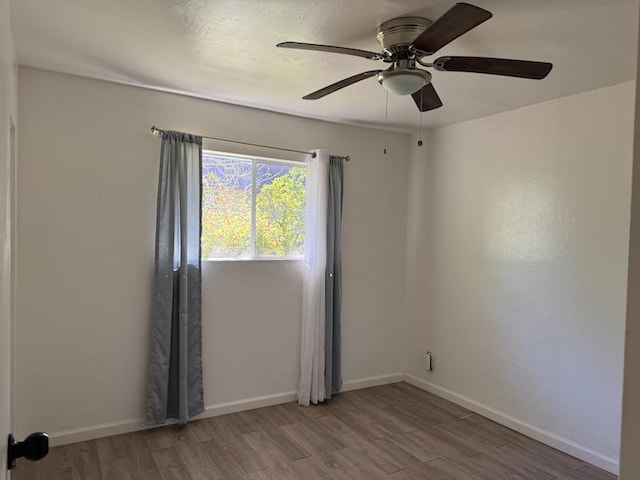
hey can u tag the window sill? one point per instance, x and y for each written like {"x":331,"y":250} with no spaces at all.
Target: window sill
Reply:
{"x":247,"y":260}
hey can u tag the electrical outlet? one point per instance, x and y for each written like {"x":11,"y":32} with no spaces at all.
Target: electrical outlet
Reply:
{"x":428,"y":361}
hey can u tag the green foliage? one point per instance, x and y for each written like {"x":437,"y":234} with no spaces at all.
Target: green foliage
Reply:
{"x":280,"y":209}
{"x":280,"y":212}
{"x":226,"y":219}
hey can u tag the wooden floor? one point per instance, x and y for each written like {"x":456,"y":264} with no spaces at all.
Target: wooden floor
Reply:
{"x":394,"y":432}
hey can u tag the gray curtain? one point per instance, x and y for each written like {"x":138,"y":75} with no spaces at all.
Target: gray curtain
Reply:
{"x":333,"y":295}
{"x":175,"y":372}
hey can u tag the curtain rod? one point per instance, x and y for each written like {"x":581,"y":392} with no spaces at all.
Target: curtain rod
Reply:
{"x":157,"y":131}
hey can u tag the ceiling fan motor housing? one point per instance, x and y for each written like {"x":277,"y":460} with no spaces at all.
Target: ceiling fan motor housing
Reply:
{"x":397,"y":34}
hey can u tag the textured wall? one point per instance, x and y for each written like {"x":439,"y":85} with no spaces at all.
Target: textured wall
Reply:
{"x":87,"y":187}
{"x":517,"y":261}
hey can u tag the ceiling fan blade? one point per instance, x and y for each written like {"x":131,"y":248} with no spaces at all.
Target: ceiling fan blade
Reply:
{"x":457,"y":21}
{"x":331,"y":49}
{"x":341,"y":84}
{"x":495,"y":66}
{"x":427,"y":98}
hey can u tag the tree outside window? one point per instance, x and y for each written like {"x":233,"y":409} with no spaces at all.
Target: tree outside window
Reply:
{"x":252,"y":208}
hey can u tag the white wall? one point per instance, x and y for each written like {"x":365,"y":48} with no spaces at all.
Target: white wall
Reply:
{"x":8,"y":110}
{"x":516,"y":267}
{"x":629,"y":458}
{"x":87,"y":187}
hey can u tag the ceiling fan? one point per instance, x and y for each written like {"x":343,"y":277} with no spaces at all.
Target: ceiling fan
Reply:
{"x":406,"y":41}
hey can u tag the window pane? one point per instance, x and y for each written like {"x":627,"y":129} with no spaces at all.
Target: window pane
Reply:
{"x":226,"y":207}
{"x":280,"y":209}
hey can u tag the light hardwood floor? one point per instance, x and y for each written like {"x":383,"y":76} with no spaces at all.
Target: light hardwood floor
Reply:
{"x":394,"y":432}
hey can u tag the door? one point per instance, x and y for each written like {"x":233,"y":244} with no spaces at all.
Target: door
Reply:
{"x":7,"y":154}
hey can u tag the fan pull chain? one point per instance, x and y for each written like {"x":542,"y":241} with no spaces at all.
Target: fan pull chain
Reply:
{"x":420,"y":121}
{"x":386,"y":120}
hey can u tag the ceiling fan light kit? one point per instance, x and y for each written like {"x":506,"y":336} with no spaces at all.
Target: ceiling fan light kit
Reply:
{"x":405,"y":41}
{"x":404,"y":79}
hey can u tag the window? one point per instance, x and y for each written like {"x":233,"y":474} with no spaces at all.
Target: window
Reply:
{"x":252,"y":208}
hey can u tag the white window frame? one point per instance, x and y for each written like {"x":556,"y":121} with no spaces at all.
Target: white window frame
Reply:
{"x":252,"y":249}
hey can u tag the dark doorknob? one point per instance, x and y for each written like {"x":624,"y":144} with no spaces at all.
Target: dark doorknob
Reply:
{"x":34,"y":447}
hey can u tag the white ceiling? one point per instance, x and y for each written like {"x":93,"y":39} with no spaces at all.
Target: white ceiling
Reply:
{"x":225,"y":50}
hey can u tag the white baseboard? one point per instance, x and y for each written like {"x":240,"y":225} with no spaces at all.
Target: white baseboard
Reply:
{"x":83,"y":434}
{"x":125,"y":426}
{"x":372,"y":382}
{"x":556,"y":441}
{"x":551,"y":439}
